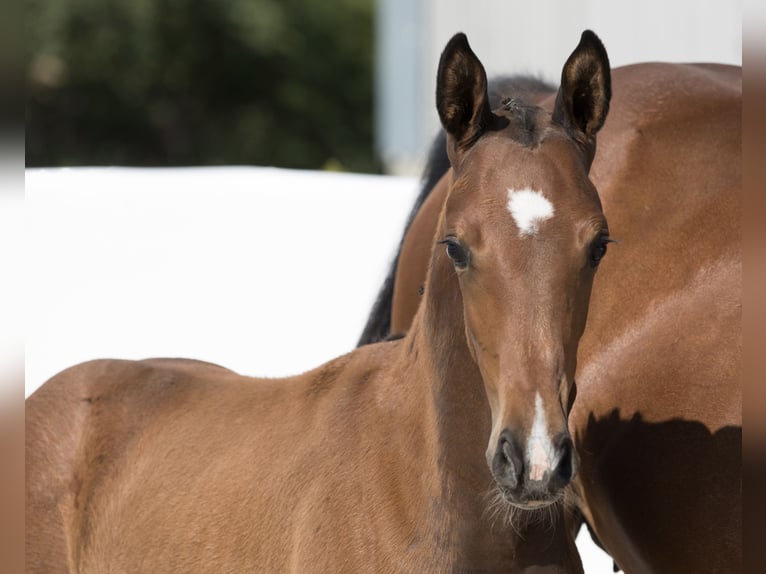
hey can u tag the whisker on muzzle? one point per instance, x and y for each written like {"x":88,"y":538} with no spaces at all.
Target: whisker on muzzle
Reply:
{"x":499,"y":509}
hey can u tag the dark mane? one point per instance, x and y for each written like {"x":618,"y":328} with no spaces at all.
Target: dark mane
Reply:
{"x":524,"y":122}
{"x":517,"y":92}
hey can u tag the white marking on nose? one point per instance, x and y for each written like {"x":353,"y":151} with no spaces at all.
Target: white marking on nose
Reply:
{"x":539,"y":447}
{"x":528,"y":208}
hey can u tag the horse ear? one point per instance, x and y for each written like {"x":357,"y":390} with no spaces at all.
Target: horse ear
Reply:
{"x":586,"y":88}
{"x":461,"y":96}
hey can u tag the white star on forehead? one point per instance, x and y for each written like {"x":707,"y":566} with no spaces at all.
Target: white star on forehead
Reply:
{"x":528,"y":208}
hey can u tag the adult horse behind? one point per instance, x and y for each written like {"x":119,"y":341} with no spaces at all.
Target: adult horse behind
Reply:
{"x":384,"y":459}
{"x":657,"y":420}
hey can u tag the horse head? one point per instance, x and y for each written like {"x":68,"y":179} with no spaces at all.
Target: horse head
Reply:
{"x":524,"y":231}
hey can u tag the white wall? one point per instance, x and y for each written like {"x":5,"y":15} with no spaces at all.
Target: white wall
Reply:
{"x":512,"y":37}
{"x":269,"y":272}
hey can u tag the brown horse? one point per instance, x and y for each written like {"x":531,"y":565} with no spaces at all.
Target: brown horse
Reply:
{"x":391,"y":458}
{"x":657,"y":420}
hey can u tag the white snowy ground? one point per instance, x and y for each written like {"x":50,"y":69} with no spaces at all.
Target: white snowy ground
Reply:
{"x":268,"y":272}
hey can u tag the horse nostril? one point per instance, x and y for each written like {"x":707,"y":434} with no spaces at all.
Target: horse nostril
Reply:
{"x":507,"y":464}
{"x":506,"y":448}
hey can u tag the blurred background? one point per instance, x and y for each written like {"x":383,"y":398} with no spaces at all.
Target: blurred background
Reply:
{"x":343,"y":85}
{"x":201,"y":82}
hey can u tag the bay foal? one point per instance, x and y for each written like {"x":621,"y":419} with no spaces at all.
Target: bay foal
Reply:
{"x":380,"y":460}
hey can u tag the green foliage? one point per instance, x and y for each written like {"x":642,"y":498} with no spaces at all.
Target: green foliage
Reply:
{"x":200,"y":82}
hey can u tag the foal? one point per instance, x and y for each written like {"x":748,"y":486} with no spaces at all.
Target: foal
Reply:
{"x":380,"y":460}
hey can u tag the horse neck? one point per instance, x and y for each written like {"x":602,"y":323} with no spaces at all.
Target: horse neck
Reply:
{"x":454,"y":390}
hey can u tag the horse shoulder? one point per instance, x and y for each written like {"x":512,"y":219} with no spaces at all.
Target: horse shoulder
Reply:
{"x":658,"y":410}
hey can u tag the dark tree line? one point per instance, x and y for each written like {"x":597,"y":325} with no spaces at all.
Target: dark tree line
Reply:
{"x":200,"y":82}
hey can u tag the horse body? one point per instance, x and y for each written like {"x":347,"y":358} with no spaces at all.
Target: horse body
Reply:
{"x":198,"y":469}
{"x":381,"y":460}
{"x":657,"y":420}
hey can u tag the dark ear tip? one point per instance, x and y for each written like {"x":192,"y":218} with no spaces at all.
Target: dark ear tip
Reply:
{"x":589,"y":36}
{"x":456,"y":48}
{"x":459,"y":37}
{"x":588,"y":39}
{"x":459,"y":40}
{"x":583,"y":99}
{"x":592,"y":45}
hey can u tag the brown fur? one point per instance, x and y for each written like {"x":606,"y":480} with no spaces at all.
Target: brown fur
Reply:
{"x":374,"y":462}
{"x":662,"y":350}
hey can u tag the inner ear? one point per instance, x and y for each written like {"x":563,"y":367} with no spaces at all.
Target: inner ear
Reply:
{"x":461,"y":94}
{"x":583,"y":99}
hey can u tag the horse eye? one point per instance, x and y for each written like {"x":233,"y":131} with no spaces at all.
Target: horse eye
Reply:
{"x":598,"y":250}
{"x":456,"y":252}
